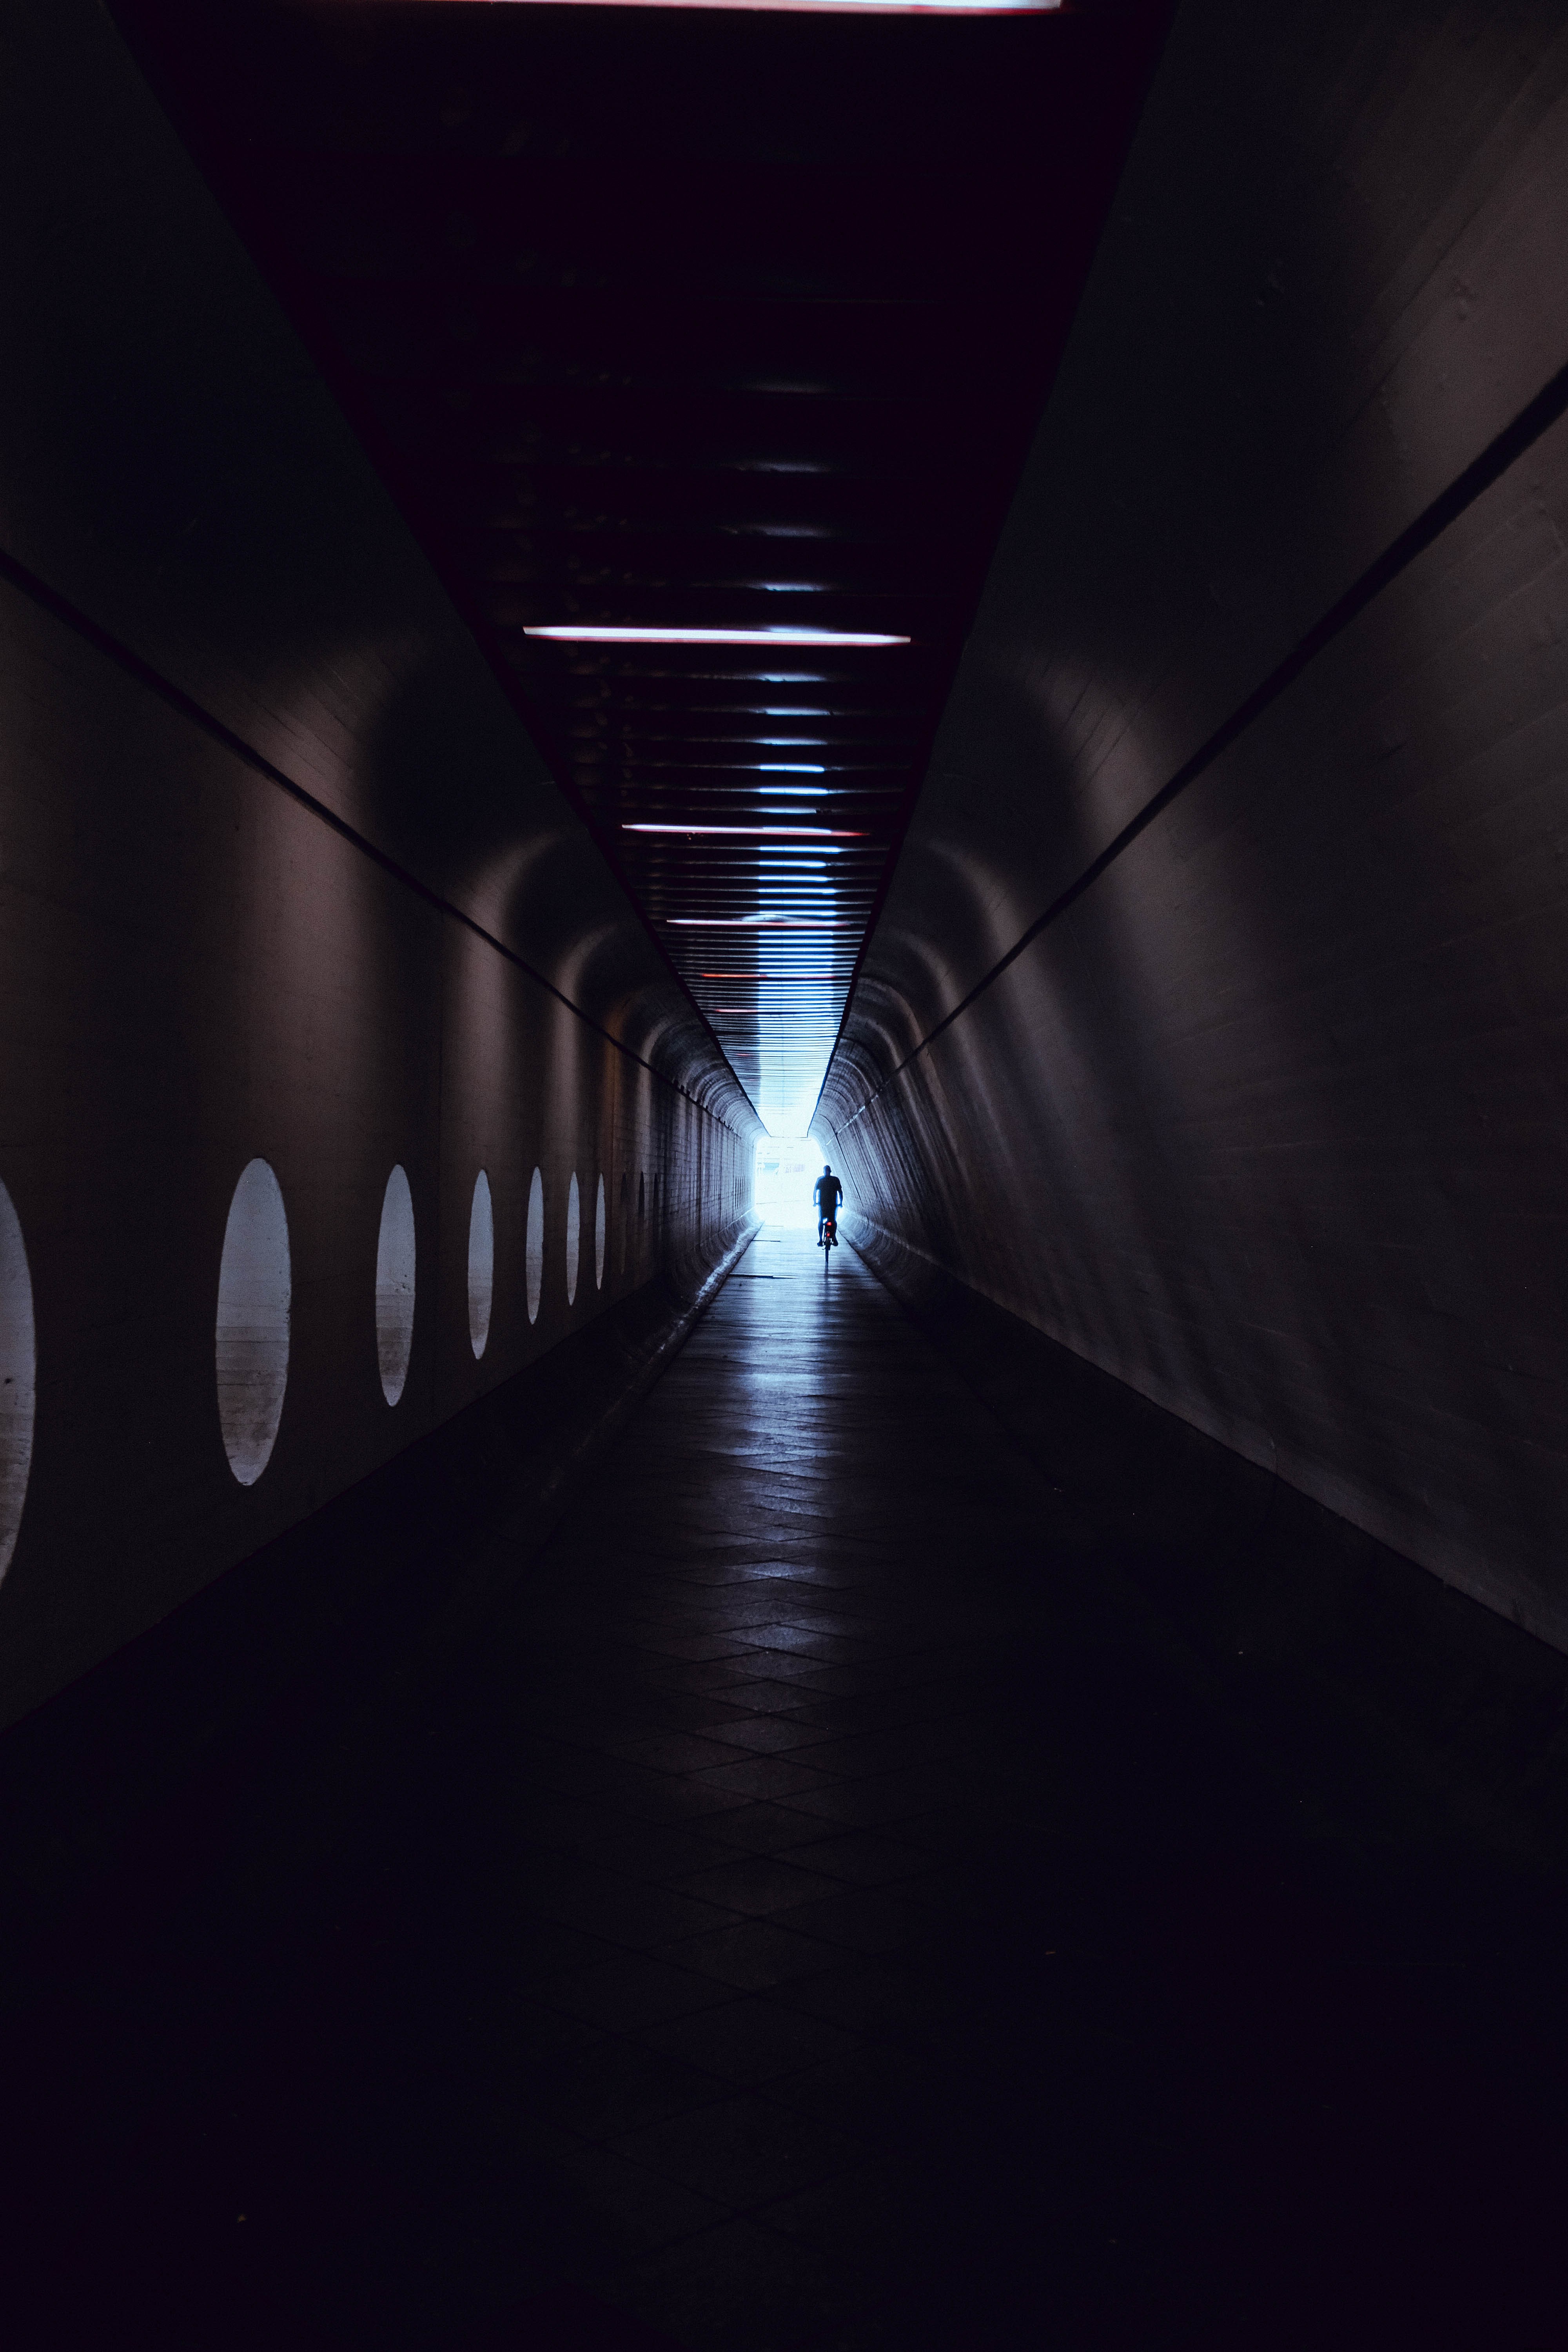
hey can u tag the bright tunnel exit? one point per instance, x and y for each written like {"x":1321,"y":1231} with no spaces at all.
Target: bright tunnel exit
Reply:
{"x":788,"y":1167}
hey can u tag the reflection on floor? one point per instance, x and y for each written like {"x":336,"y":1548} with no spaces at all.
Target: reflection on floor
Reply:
{"x":829,"y":1912}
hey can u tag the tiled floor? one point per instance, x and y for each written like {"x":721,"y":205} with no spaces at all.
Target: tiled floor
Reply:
{"x":828,"y":1913}
{"x":739,"y":1731}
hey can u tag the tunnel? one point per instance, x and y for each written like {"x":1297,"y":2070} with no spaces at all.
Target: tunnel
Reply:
{"x":783,"y":1175}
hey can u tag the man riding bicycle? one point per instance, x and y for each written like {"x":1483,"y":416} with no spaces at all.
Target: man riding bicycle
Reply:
{"x":826,"y":1193}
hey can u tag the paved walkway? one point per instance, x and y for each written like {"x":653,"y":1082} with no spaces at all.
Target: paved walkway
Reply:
{"x":828,"y":1914}
{"x":756,"y":1724}
{"x":839,"y":1917}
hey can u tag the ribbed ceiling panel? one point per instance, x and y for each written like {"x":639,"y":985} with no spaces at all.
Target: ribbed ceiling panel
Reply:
{"x":689,"y":320}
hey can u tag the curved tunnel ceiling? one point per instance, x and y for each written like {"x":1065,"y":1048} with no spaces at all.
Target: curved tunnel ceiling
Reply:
{"x":702,"y":351}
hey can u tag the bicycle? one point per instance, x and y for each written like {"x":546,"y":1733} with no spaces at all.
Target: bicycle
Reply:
{"x":829,"y":1240}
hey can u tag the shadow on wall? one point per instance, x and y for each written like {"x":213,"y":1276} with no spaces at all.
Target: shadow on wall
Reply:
{"x":227,"y":1026}
{"x":316,"y":999}
{"x":1267,"y":1118}
{"x":252,"y":1325}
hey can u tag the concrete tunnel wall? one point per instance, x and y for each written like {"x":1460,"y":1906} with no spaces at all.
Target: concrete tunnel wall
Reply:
{"x":1270,"y":1119}
{"x":281,"y":876}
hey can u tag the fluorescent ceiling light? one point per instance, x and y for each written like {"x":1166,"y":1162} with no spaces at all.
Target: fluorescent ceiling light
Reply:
{"x":841,"y":7}
{"x":596,"y":632}
{"x":754,"y":832}
{"x":754,"y":922}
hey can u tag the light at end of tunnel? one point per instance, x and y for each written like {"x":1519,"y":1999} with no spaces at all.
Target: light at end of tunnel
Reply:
{"x":596,"y":632}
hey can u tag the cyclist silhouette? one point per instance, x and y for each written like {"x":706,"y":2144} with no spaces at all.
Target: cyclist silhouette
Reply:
{"x":826,"y":1193}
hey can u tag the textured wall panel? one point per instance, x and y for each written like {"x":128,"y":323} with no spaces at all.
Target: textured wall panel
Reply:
{"x":207,"y":600}
{"x":1272,"y":1121}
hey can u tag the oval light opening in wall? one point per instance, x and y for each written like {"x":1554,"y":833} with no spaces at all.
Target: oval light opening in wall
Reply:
{"x":394,"y":1252}
{"x":481,"y":1263}
{"x":599,"y":1238}
{"x":19,"y":1364}
{"x":573,"y":1238}
{"x":534,"y":1259}
{"x":254,"y":1286}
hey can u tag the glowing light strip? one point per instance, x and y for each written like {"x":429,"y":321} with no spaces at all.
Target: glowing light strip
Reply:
{"x":754,"y":832}
{"x":756,"y":923}
{"x":836,"y":7}
{"x":666,"y":738}
{"x":594,"y":633}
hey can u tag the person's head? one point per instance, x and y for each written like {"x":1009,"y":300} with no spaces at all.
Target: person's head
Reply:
{"x":826,"y":1169}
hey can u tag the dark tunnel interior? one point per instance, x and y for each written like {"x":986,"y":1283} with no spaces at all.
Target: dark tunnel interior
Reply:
{"x":602,"y":604}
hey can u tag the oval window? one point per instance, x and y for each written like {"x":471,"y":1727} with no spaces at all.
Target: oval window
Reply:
{"x":533,"y":1260}
{"x":481,"y":1263}
{"x":573,"y":1238}
{"x":599,"y":1238}
{"x":254,"y":1286}
{"x":18,"y":1369}
{"x":394,"y":1284}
